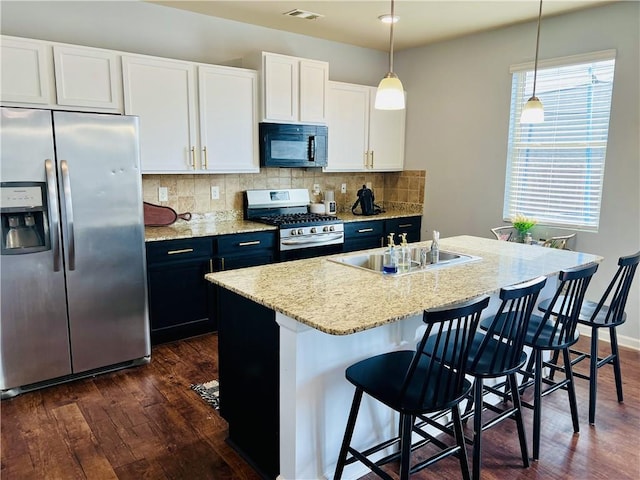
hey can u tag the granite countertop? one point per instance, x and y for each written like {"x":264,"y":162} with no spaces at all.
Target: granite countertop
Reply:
{"x":340,"y":299}
{"x":204,"y":227}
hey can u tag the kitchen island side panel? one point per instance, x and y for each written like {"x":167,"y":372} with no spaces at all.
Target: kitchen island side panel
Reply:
{"x":248,"y":350}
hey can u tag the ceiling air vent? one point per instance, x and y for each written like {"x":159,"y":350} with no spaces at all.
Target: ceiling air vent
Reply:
{"x":303,"y":14}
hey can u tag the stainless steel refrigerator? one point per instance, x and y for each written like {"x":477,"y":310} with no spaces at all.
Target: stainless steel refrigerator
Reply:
{"x":72,"y":263}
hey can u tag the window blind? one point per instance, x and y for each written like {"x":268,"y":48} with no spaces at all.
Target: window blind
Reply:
{"x":555,"y":169}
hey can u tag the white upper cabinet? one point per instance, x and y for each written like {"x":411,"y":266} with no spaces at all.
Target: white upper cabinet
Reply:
{"x":87,"y":77}
{"x":386,"y":137}
{"x":228,"y":119}
{"x":362,"y":138}
{"x":294,"y":90}
{"x":189,"y":124}
{"x":348,"y":125}
{"x":314,"y":81}
{"x":56,"y":75}
{"x":27,"y":72}
{"x":162,"y":93}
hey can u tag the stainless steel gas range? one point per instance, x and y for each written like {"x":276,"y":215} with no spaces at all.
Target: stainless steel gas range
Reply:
{"x":301,"y":234}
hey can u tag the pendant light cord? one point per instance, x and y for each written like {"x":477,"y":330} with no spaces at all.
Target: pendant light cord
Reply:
{"x":391,"y":38}
{"x":535,"y":66}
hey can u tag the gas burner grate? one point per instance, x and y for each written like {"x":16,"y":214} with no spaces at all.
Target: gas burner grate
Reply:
{"x":296,"y":219}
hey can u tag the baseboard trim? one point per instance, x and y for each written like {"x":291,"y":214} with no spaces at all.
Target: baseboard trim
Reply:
{"x":623,"y":340}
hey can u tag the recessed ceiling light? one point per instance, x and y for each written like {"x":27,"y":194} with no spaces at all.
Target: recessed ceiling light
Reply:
{"x":387,"y":18}
{"x":303,"y":14}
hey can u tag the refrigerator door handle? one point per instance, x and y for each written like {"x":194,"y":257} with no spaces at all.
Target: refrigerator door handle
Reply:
{"x":53,"y":213}
{"x":68,"y":208}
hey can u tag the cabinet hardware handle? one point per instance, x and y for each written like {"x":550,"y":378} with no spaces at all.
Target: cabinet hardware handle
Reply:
{"x":365,"y":230}
{"x":382,"y":241}
{"x":184,"y":250}
{"x":371,"y":159}
{"x":405,"y":225}
{"x":246,"y":244}
{"x":366,"y":159}
{"x":211,"y":265}
{"x":222,"y":262}
{"x":206,"y":163}
{"x":193,"y":157}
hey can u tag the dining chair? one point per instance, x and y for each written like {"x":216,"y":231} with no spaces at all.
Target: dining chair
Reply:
{"x":551,"y":333}
{"x":506,"y":232}
{"x":608,"y":313}
{"x":559,"y":241}
{"x":411,"y":382}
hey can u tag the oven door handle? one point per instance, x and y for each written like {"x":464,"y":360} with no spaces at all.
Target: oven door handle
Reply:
{"x":312,"y":239}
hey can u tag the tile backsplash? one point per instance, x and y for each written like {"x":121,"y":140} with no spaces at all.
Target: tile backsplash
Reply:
{"x":192,"y":193}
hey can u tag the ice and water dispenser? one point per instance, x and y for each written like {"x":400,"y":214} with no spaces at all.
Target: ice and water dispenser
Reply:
{"x":23,"y":212}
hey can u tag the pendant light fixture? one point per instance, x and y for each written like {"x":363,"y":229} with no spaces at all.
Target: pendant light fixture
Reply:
{"x":390,"y":93}
{"x":533,"y":112}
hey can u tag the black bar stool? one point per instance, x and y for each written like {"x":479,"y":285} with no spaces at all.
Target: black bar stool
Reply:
{"x":607,"y":313}
{"x":553,"y":333}
{"x":413,"y":383}
{"x":500,"y":353}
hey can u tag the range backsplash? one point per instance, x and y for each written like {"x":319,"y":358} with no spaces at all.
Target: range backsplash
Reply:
{"x":192,"y":193}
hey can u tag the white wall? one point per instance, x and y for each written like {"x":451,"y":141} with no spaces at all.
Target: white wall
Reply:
{"x":458,"y":121}
{"x":458,"y":99}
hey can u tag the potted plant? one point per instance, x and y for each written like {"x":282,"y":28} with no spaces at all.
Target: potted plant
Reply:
{"x":523,"y":225}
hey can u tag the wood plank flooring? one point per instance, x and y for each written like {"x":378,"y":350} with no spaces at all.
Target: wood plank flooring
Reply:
{"x":146,"y":423}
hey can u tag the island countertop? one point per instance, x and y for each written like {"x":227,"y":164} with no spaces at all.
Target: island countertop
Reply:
{"x":340,"y":299}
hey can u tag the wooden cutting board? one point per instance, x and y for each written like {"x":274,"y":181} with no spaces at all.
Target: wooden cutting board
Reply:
{"x":159,"y":216}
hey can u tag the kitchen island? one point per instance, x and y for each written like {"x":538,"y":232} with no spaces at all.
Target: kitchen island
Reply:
{"x":288,"y":331}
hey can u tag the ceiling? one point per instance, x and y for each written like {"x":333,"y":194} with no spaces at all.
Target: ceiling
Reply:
{"x":356,"y":22}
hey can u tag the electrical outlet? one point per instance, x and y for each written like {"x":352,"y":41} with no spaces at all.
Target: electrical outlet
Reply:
{"x":369,"y":185}
{"x":163,"y":194}
{"x":316,"y":188}
{"x":215,"y":193}
{"x":343,"y":188}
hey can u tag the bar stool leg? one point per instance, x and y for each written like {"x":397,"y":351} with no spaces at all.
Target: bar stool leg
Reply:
{"x":477,"y":427}
{"x":517,"y":404}
{"x":537,"y":402}
{"x":405,"y":445}
{"x":351,"y":423}
{"x":616,"y":363}
{"x":457,"y":425}
{"x":593,"y":376}
{"x":571,"y":389}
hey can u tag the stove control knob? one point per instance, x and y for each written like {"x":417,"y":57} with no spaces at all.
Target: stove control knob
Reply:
{"x":313,"y":230}
{"x":300,"y":231}
{"x":332,"y":228}
{"x":325,"y":229}
{"x":294,"y":232}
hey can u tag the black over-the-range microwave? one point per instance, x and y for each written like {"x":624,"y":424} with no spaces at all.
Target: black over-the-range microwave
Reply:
{"x":289,"y":145}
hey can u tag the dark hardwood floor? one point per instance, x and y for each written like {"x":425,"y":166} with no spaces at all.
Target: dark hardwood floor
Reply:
{"x":146,"y":423}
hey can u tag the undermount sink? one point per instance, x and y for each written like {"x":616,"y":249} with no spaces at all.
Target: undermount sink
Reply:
{"x":372,"y":261}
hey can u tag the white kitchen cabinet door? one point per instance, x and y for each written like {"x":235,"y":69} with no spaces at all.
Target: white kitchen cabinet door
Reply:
{"x":314,"y":78}
{"x":294,"y":89}
{"x":162,"y":93}
{"x":88,"y":77}
{"x":348,"y":122}
{"x":228,"y":105}
{"x":27,"y":72}
{"x":280,"y":77}
{"x":386,"y":137}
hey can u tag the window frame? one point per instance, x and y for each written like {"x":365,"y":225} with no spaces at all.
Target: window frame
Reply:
{"x":521,"y":156}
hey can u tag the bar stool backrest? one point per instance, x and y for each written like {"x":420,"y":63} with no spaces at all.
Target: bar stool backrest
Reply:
{"x":618,"y":290}
{"x":501,"y":348}
{"x":446,"y":326}
{"x":566,"y":304}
